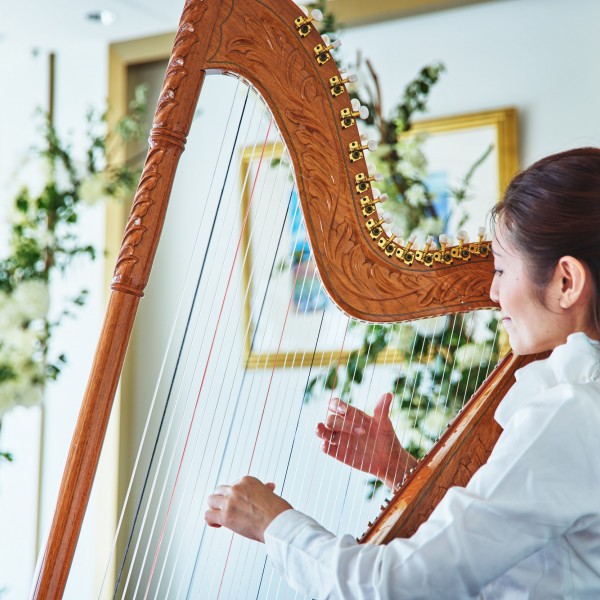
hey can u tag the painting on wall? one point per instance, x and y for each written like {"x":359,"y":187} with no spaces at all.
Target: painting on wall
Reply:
{"x":297,"y":324}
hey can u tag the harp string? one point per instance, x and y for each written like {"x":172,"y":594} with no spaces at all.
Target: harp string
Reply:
{"x":203,"y":335}
{"x":186,"y":363}
{"x":256,"y":368}
{"x":241,"y":386}
{"x":212,"y":344}
{"x":162,"y":370}
{"x":263,"y":408}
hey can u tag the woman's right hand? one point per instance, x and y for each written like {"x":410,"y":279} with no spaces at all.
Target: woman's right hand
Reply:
{"x":366,"y":443}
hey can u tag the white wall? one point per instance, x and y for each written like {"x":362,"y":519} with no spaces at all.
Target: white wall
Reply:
{"x":537,"y":55}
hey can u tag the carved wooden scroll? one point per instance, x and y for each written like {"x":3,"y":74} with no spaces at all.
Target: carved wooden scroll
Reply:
{"x":266,"y":43}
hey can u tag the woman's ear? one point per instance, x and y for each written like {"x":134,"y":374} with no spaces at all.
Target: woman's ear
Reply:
{"x":572,"y":282}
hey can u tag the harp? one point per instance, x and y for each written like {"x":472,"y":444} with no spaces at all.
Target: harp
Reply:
{"x":271,"y":45}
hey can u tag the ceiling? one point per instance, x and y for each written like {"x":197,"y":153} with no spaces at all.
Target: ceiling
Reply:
{"x":52,"y":22}
{"x":47,"y":23}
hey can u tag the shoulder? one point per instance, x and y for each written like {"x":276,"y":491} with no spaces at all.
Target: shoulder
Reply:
{"x":567,"y":380}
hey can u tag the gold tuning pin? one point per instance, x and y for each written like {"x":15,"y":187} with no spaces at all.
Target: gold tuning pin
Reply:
{"x":303,"y":23}
{"x":444,"y":255}
{"x":425,"y":256}
{"x":338,"y":86}
{"x":323,"y":52}
{"x":462,"y":251}
{"x":364,"y":179}
{"x":356,"y":149}
{"x":480,"y":247}
{"x":348,"y":115}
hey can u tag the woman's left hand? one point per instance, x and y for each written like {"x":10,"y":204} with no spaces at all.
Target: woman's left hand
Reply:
{"x":247,"y":507}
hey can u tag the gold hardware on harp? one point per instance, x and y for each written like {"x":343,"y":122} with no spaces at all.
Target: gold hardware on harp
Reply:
{"x":323,"y":53}
{"x":364,"y":179}
{"x":338,"y":85}
{"x":347,"y":118}
{"x":356,"y":149}
{"x":303,"y":23}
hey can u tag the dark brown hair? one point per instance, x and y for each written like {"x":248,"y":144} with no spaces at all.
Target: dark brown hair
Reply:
{"x":551,"y":210}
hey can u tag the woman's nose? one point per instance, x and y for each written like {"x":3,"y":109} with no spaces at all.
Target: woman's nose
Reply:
{"x":494,"y":290}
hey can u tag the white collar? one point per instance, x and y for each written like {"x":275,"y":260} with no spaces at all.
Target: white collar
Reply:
{"x":576,"y":361}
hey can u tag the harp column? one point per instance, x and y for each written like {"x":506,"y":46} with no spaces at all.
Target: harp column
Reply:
{"x":171,"y":126}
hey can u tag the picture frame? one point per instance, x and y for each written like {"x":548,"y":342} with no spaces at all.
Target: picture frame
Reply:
{"x":471,"y":133}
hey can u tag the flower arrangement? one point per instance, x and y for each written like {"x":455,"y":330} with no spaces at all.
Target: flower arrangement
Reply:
{"x":43,"y":240}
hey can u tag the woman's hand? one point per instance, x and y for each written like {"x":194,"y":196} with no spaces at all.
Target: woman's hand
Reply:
{"x":247,"y":507}
{"x":366,"y":443}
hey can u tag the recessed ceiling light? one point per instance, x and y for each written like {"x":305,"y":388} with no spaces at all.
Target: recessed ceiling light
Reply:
{"x":106,"y":17}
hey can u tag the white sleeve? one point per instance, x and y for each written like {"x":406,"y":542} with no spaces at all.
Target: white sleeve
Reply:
{"x":530,"y":491}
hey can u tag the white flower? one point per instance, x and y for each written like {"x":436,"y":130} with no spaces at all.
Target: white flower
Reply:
{"x":93,"y":189}
{"x":434,"y":423}
{"x":11,"y":312}
{"x":431,"y":327}
{"x":33,"y":299}
{"x":411,"y":148}
{"x":472,"y":355}
{"x":408,"y":170}
{"x":416,"y":195}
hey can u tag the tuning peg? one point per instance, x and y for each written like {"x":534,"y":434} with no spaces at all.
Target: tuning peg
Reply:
{"x":384,"y":198}
{"x":398,"y":233}
{"x":358,"y":110}
{"x":429,"y":244}
{"x":350,"y":77}
{"x":462,"y":236}
{"x":356,"y":149}
{"x":303,"y":23}
{"x":329,"y":45}
{"x":316,"y":15}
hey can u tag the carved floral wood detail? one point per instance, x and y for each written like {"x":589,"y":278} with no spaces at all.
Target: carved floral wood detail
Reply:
{"x":357,"y":275}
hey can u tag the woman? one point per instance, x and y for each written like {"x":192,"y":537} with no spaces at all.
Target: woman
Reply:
{"x":528,"y":523}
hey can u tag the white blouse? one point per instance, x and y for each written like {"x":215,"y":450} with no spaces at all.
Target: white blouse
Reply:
{"x":526,"y":526}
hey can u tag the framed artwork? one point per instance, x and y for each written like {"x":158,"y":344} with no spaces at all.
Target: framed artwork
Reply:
{"x":453,"y":145}
{"x":313,"y":326}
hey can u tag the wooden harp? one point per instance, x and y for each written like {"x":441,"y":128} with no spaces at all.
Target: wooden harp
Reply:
{"x":272,"y":45}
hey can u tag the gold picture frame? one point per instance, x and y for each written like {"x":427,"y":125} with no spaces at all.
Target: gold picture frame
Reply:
{"x":498,"y":127}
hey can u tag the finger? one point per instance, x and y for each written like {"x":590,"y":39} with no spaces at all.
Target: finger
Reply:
{"x":221,"y":490}
{"x":271,"y":486}
{"x":329,"y":448}
{"x":338,"y":406}
{"x":346,"y":424}
{"x":215,"y":501}
{"x":212,"y":518}
{"x":382,"y":408}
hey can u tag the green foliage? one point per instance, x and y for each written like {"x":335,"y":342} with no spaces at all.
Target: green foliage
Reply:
{"x":43,"y":240}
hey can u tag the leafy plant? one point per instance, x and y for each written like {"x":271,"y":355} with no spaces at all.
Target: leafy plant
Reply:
{"x":43,"y":241}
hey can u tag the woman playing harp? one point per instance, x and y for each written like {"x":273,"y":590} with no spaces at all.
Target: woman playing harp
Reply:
{"x":528,"y":523}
